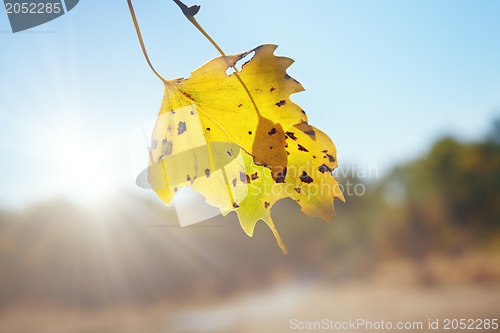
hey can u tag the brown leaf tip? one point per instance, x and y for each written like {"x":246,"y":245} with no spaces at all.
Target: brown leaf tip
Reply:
{"x":280,"y":176}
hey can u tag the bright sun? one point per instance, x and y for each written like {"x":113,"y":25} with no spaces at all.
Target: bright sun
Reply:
{"x":80,"y":171}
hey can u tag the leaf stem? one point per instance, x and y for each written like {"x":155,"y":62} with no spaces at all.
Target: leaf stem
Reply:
{"x":138,"y":32}
{"x":190,"y":12}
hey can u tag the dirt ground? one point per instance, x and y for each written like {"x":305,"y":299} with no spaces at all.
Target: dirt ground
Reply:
{"x":279,"y":309}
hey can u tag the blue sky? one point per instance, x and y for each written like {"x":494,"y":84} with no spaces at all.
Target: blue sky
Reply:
{"x":383,"y":78}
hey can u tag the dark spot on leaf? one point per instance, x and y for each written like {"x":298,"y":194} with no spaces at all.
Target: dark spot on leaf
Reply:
{"x":272,"y":89}
{"x":303,"y":112}
{"x":325,"y":151}
{"x":271,"y":147}
{"x":247,"y":179}
{"x":154,"y":144}
{"x":181,"y":128}
{"x":297,"y":190}
{"x":281,"y":103}
{"x":208,"y":129}
{"x":291,"y":135}
{"x":168,"y":148}
{"x":235,"y":205}
{"x":173,"y":112}
{"x":331,"y":158}
{"x":228,"y":152}
{"x":249,"y":132}
{"x":305,"y":178}
{"x":255,"y":176}
{"x":164,"y":141}
{"x":280,"y":176}
{"x":187,"y":95}
{"x":240,"y":105}
{"x":160,"y":158}
{"x":175,"y":189}
{"x":266,"y":204}
{"x":273,"y":131}
{"x":207,"y":172}
{"x":287,"y":77}
{"x":303,"y":149}
{"x":287,"y":152}
{"x":243,"y":177}
{"x":234,"y":182}
{"x":188,"y":178}
{"x":324,"y":168}
{"x":178,"y":81}
{"x":192,"y":113}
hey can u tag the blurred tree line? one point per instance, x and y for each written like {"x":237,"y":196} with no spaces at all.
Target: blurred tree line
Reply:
{"x":446,"y":202}
{"x":450,"y":198}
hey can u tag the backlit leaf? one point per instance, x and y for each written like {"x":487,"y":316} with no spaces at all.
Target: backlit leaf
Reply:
{"x":239,"y":140}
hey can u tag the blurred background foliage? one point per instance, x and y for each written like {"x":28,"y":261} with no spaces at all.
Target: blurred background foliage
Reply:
{"x":433,"y":221}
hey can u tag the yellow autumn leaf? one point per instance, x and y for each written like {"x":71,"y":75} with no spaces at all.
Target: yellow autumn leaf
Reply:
{"x":181,"y":156}
{"x":212,"y":107}
{"x":309,"y":181}
{"x":238,"y":139}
